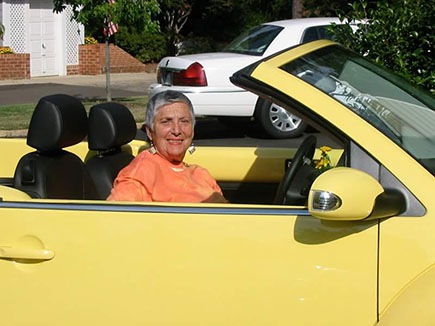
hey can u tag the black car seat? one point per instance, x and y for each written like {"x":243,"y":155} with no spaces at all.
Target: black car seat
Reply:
{"x":58,"y":121}
{"x":111,"y":125}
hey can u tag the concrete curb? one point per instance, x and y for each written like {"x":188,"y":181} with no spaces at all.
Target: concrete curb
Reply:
{"x":22,"y":133}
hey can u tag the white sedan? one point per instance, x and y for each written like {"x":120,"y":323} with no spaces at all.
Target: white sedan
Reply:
{"x":204,"y":77}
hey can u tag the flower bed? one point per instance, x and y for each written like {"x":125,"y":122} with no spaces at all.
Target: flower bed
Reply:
{"x":5,"y":50}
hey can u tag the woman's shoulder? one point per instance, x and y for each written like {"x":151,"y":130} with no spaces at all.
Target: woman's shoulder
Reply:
{"x":142,"y":162}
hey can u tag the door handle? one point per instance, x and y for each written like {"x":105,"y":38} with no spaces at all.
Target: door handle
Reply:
{"x":26,"y":253}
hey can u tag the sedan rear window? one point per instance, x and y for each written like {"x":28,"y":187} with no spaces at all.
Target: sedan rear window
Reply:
{"x":316,"y":33}
{"x":255,"y":41}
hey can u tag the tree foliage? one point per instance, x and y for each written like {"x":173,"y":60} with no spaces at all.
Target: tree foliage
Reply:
{"x":398,"y":34}
{"x":124,"y":12}
{"x":146,"y":46}
{"x":101,"y":12}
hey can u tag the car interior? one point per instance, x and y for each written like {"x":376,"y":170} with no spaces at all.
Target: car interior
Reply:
{"x":60,"y":121}
{"x":278,"y":176}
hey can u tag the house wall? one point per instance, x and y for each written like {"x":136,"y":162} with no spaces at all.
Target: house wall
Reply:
{"x":72,"y":36}
{"x":15,"y":15}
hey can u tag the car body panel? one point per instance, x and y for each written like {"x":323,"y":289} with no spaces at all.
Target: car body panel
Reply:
{"x":406,"y":252}
{"x":413,"y":306}
{"x":149,"y":268}
{"x":179,"y":274}
{"x":407,"y":245}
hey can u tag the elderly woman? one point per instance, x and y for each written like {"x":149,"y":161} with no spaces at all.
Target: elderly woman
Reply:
{"x":159,"y":174}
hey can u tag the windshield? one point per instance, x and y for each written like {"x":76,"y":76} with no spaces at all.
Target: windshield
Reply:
{"x":402,"y":112}
{"x":255,"y":41}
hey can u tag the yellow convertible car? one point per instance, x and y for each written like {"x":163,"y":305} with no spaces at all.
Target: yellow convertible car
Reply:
{"x":312,"y":236}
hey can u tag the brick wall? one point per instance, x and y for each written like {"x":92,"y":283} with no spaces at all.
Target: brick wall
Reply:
{"x":15,"y":66}
{"x":73,"y":70}
{"x":92,"y":60}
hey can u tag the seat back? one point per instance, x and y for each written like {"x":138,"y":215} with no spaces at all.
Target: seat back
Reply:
{"x":111,"y":125}
{"x":58,"y":121}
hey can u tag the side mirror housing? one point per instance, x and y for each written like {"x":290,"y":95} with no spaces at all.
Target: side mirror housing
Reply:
{"x":349,"y":194}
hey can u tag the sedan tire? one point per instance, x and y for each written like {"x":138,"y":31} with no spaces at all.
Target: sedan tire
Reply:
{"x":277,"y":122}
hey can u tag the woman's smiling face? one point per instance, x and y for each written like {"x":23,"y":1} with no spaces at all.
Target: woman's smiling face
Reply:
{"x":173,"y":131}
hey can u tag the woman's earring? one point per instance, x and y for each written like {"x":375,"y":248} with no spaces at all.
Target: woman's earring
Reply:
{"x":191,"y":149}
{"x":152,"y":148}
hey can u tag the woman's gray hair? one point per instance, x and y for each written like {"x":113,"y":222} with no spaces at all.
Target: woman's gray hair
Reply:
{"x":162,"y":99}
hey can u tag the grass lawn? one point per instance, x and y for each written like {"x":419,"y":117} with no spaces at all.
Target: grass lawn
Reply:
{"x":13,"y":117}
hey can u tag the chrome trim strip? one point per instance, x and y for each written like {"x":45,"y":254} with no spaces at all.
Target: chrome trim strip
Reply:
{"x":157,"y":209}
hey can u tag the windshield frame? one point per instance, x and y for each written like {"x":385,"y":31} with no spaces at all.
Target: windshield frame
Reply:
{"x":415,"y":101}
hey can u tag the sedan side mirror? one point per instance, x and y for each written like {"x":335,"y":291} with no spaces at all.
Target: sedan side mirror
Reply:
{"x":348,"y":194}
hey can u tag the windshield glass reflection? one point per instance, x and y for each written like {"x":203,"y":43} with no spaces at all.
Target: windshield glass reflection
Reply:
{"x":402,"y":112}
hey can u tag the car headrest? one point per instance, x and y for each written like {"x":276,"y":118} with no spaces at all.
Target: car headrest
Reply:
{"x":111,"y":125}
{"x":58,"y":121}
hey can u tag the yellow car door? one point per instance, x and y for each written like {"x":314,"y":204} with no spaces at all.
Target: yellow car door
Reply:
{"x":95,"y":263}
{"x":388,"y":124}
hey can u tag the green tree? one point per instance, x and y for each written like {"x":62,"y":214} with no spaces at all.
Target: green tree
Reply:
{"x":398,"y":34}
{"x":123,"y":12}
{"x":146,"y":46}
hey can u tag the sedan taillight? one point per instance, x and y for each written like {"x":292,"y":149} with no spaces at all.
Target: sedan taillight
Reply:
{"x":194,"y":75}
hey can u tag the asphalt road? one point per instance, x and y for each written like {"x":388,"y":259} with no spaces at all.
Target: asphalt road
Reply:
{"x":83,"y":87}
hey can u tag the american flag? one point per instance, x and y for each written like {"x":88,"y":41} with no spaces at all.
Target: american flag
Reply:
{"x":112,"y":28}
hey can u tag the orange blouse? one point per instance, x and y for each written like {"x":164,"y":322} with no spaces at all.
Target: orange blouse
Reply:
{"x":150,"y":177}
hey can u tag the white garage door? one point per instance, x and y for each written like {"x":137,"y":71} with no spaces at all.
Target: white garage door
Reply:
{"x":42,"y":35}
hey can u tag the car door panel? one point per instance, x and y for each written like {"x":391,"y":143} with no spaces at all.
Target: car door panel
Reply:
{"x":185,"y":265}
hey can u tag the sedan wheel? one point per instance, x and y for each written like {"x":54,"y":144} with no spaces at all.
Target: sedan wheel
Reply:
{"x":277,"y":122}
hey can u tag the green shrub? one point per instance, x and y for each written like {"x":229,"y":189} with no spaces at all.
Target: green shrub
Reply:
{"x":145,"y":46}
{"x":399,"y":34}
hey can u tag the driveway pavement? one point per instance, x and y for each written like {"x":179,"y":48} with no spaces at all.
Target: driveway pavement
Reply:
{"x":84,"y":87}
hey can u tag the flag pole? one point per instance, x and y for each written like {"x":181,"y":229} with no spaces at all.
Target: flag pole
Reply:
{"x":110,"y":28}
{"x":108,"y":89}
